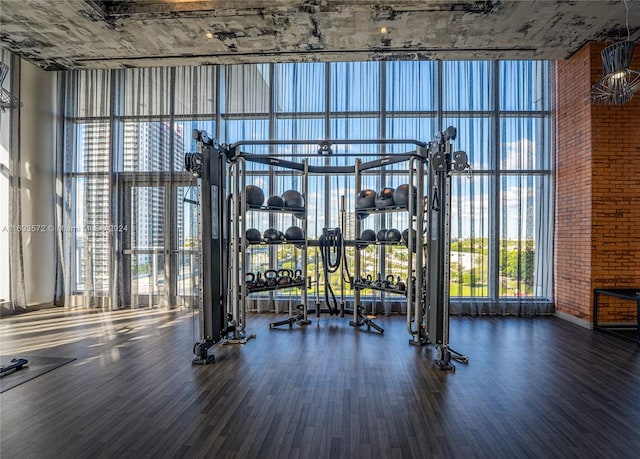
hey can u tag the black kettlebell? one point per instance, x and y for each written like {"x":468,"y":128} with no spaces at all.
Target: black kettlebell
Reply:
{"x":390,"y":281}
{"x":250,"y":280}
{"x":379,"y":282}
{"x":284,"y":276}
{"x":271,"y":277}
{"x":297,"y":276}
{"x":259,"y":282}
{"x":400,"y":285}
{"x":369,"y":280}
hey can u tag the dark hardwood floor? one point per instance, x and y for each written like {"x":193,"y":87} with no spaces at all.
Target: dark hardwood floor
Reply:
{"x":537,"y":387}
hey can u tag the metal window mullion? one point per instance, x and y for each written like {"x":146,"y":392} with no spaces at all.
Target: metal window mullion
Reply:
{"x":171,"y":209}
{"x":493,"y":290}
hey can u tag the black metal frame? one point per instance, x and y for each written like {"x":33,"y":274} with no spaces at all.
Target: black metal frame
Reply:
{"x":632,"y":294}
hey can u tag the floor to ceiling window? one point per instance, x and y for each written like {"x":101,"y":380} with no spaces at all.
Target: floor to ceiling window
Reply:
{"x":130,"y":128}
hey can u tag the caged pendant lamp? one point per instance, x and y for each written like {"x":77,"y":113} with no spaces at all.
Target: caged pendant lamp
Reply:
{"x":618,"y":83}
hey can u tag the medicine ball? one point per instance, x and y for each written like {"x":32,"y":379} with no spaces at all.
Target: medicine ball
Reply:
{"x":362,"y":215}
{"x":272,"y":235}
{"x":368,"y":235}
{"x":299,"y":215}
{"x":393,"y":235}
{"x":255,"y":195}
{"x":382,"y":235}
{"x":384,"y":198}
{"x":401,"y":195}
{"x":294,"y":233}
{"x":292,"y":198}
{"x":253,"y":235}
{"x":275,"y":201}
{"x":365,"y":199}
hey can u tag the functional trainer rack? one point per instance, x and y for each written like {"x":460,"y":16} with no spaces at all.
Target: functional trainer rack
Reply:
{"x":222,"y":214}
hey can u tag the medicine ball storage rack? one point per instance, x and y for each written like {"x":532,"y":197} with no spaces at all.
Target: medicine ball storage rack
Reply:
{"x":244,"y":283}
{"x":426,"y":206}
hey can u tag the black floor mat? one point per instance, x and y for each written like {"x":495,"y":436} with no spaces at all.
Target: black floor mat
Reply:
{"x":37,"y":366}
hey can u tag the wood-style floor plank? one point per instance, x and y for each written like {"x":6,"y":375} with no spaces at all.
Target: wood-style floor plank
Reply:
{"x":537,"y":387}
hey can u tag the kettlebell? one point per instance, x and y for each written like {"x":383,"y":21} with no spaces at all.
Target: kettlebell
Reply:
{"x":250,"y":280}
{"x":284,"y":276}
{"x":400,"y":285}
{"x":271,"y":277}
{"x":390,"y":281}
{"x":297,"y":276}
{"x":259,"y":282}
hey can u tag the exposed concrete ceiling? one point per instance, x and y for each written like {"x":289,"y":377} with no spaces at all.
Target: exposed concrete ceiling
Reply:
{"x":136,"y":33}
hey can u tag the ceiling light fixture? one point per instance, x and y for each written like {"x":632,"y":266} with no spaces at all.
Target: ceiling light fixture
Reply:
{"x":383,"y":29}
{"x":618,"y":83}
{"x":209,"y":35}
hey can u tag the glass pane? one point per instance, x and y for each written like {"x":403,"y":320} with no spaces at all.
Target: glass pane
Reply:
{"x":92,"y":89}
{"x":147,"y":91}
{"x":90,"y":234}
{"x":412,"y":86}
{"x":354,"y":86}
{"x":188,"y":269}
{"x":245,"y":88}
{"x":475,"y":138}
{"x":147,"y":276}
{"x":299,"y":87}
{"x":525,"y":143}
{"x":422,"y":129}
{"x":195,"y":90}
{"x":525,"y":235}
{"x":233,"y":131}
{"x":147,"y":146}
{"x":91,"y":148}
{"x":469,"y":236}
{"x":148,"y":217}
{"x":466,"y":85}
{"x":524,"y":85}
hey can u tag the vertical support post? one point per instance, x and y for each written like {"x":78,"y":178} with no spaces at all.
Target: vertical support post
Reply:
{"x":357,"y":254}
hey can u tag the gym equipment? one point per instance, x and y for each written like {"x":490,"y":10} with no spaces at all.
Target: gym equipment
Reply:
{"x":15,"y":365}
{"x":250,"y":280}
{"x":271,"y":277}
{"x":368,"y":235}
{"x":253,"y":235}
{"x":284,"y":276}
{"x":384,"y":198}
{"x":255,"y":195}
{"x":365,"y":199}
{"x":428,"y":169}
{"x":381,"y":236}
{"x":294,"y":233}
{"x":272,"y":235}
{"x":401,"y":197}
{"x":275,"y":201}
{"x":405,"y":238}
{"x":393,"y":235}
{"x":293,"y":199}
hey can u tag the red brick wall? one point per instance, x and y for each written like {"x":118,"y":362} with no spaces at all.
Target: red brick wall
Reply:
{"x":597,"y":228}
